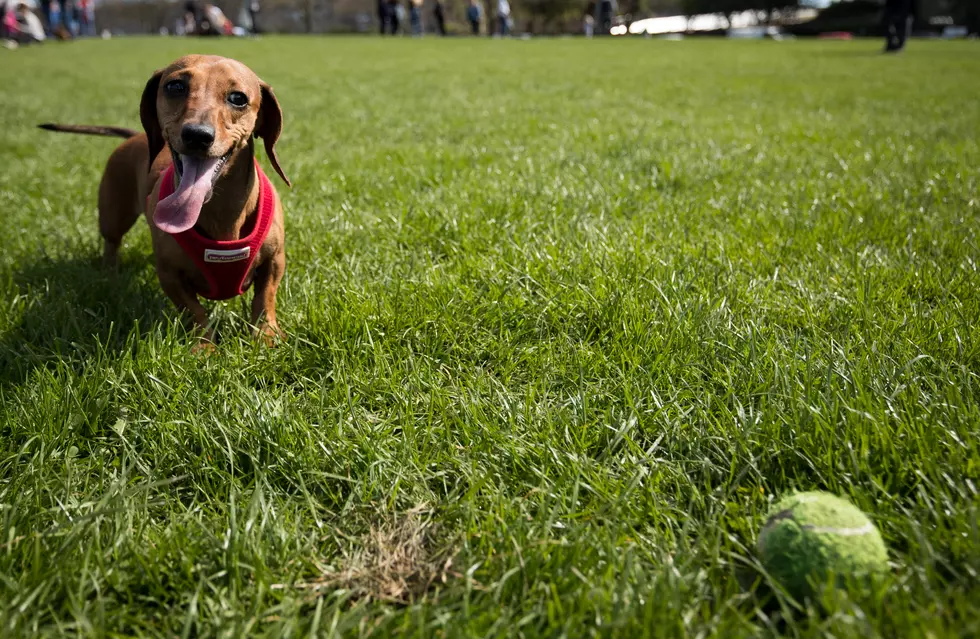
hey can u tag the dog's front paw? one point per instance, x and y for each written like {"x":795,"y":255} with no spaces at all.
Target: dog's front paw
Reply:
{"x":270,"y":334}
{"x":204,"y":347}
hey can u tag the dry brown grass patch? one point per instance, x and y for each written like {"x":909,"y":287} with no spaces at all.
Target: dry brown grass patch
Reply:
{"x":396,"y":561}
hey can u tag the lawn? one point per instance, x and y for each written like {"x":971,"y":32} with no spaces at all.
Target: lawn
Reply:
{"x":563,"y":318}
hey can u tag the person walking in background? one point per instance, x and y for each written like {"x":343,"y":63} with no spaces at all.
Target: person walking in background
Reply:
{"x":192,"y":17}
{"x":247,"y":18}
{"x":253,"y":13}
{"x":899,"y":15}
{"x":46,"y":9}
{"x":589,"y":25}
{"x":383,"y":19}
{"x":503,"y":17}
{"x":605,"y":9}
{"x":88,"y":17}
{"x":439,"y":14}
{"x":395,"y":14}
{"x":473,"y":13}
{"x":53,"y":16}
{"x":73,"y":17}
{"x":415,"y":13}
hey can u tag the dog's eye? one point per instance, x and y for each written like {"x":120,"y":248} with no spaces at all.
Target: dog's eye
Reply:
{"x":237,"y":99}
{"x":175,"y":87}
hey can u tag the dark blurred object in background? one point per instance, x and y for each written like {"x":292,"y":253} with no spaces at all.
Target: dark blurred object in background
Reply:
{"x":899,"y":15}
{"x":440,"y":15}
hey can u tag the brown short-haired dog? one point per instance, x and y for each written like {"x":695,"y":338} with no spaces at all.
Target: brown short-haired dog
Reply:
{"x":215,"y":220}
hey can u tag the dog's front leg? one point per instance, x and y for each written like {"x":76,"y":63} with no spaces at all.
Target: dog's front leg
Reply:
{"x":266,"y":282}
{"x":186,"y":301}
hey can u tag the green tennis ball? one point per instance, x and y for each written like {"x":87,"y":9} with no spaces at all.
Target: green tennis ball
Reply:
{"x":810,"y":536}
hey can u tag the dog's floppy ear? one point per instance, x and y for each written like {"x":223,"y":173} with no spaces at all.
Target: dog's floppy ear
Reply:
{"x":269,"y":127}
{"x":148,"y":115}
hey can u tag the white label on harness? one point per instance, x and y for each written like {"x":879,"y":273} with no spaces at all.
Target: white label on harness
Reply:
{"x":231,"y":255}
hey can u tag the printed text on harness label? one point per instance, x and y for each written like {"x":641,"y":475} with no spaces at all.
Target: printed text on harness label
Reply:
{"x":230,"y":255}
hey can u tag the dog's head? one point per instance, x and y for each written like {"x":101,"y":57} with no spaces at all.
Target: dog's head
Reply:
{"x":206,"y":109}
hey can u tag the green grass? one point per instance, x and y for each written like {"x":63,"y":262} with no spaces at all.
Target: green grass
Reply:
{"x":563,"y":318}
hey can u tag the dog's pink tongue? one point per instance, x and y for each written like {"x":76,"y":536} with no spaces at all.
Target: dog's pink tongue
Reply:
{"x":179,"y":211}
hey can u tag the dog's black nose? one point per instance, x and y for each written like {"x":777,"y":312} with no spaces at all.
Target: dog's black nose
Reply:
{"x":197,"y":137}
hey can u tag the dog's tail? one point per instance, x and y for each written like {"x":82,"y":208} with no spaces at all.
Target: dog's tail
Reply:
{"x":109,"y":131}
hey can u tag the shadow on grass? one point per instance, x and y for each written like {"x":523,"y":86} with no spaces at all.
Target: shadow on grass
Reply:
{"x":71,"y":309}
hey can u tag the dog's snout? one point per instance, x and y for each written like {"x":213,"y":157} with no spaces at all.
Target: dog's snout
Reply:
{"x":197,"y":137}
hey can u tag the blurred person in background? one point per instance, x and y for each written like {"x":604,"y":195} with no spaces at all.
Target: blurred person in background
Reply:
{"x":439,"y":14}
{"x":215,"y":22}
{"x":254,"y":8}
{"x":503,"y":17}
{"x":88,"y":17}
{"x":383,"y":18}
{"x":899,"y":16}
{"x":248,"y":23}
{"x":605,"y":10}
{"x":393,"y":17}
{"x":397,"y":16}
{"x":73,"y":17}
{"x":21,"y":25}
{"x":52,"y":15}
{"x":474,"y":13}
{"x":248,"y":17}
{"x":192,"y":17}
{"x":415,"y":13}
{"x":8,"y":26}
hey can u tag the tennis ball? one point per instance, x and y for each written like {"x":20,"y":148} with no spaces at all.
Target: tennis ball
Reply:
{"x":809,"y":537}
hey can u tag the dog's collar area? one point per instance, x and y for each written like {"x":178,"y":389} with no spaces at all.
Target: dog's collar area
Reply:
{"x":226,"y":264}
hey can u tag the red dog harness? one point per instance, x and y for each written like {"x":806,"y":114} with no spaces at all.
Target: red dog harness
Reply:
{"x":225,"y":264}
